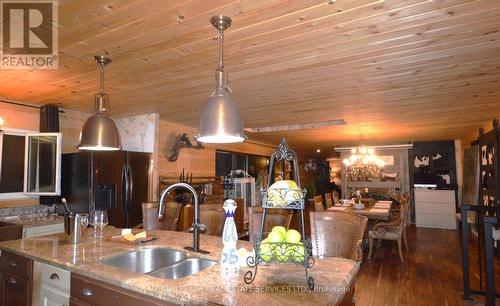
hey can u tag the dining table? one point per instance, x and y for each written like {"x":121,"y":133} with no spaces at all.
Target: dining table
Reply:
{"x":379,"y":210}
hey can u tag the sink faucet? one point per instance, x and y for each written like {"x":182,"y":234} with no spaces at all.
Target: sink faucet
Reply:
{"x":197,"y":226}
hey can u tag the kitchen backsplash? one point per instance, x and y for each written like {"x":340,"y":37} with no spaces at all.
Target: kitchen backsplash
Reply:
{"x":26,"y":211}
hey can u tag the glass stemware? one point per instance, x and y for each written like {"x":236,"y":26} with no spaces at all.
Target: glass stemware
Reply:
{"x":99,"y":219}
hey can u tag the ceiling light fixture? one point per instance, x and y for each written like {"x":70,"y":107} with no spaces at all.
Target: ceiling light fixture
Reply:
{"x":220,"y":120}
{"x":363,"y":164}
{"x":99,"y":133}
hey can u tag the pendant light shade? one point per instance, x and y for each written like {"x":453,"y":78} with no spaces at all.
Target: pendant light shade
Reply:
{"x":220,"y":120}
{"x":99,"y":133}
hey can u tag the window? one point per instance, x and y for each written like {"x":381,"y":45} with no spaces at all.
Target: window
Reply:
{"x":227,"y":161}
{"x":12,"y":163}
{"x":32,"y":170}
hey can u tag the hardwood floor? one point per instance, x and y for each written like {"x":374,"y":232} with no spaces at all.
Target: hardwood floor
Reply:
{"x":430,"y":275}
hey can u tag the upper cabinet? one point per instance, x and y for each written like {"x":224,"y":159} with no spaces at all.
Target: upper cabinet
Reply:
{"x":42,"y":171}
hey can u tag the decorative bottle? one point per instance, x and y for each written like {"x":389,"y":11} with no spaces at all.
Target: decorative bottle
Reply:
{"x":229,"y":257}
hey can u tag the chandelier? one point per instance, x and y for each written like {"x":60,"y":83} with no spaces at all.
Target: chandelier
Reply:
{"x":363,"y":164}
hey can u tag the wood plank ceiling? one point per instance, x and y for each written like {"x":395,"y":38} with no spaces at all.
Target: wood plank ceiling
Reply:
{"x":394,"y":70}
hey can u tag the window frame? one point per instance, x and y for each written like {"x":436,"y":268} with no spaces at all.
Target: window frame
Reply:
{"x":14,"y":195}
{"x":58,"y":136}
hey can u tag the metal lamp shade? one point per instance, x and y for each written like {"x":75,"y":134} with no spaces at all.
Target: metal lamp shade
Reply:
{"x":99,"y":133}
{"x":220,"y":121}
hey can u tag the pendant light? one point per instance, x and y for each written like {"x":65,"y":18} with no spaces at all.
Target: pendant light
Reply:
{"x":220,"y":120}
{"x":99,"y":133}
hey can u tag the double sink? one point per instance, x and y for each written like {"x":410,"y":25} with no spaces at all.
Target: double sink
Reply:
{"x":159,"y":262}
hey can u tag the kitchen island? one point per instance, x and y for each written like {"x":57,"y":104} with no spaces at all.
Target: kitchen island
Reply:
{"x":274,"y":285}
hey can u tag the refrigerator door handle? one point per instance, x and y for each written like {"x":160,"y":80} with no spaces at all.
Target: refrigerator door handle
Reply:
{"x":125,"y":192}
{"x":130,"y":184}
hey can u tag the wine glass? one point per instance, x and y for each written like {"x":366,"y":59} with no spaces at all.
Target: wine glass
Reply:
{"x":99,"y":220}
{"x":92,"y":219}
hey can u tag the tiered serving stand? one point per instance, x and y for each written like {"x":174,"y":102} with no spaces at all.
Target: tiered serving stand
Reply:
{"x":282,"y":252}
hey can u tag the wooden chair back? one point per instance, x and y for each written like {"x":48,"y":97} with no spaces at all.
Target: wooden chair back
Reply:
{"x":318,"y":203}
{"x":213,"y":217}
{"x":336,"y":197}
{"x":403,"y":217}
{"x":337,"y":234}
{"x":328,"y":200}
{"x":214,"y":199}
{"x":274,"y":217}
{"x":167,"y":222}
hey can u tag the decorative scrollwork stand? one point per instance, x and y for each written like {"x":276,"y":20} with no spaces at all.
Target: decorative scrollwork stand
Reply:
{"x":282,"y":252}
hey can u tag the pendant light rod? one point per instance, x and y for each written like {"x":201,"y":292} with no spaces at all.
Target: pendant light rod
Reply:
{"x":101,"y":99}
{"x":221,"y":49}
{"x":101,"y":75}
{"x":221,"y":23}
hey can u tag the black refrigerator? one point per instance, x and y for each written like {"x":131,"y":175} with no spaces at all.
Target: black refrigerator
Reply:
{"x":115,"y":181}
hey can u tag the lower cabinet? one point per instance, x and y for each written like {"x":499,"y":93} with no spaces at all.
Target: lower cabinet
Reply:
{"x":435,"y":208}
{"x":53,"y":297}
{"x":17,"y":291}
{"x":76,"y":302}
{"x":16,"y":280}
{"x":87,"y":291}
{"x":51,"y":285}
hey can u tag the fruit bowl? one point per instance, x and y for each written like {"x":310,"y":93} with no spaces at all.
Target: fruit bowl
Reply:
{"x":358,"y":205}
{"x":283,"y":193}
{"x":281,"y":252}
{"x":282,"y":246}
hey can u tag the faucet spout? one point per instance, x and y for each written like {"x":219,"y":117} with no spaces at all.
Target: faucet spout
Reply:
{"x":197,"y":227}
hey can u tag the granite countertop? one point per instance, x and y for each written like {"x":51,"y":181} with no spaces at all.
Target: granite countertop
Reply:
{"x":27,"y":222}
{"x":274,"y":284}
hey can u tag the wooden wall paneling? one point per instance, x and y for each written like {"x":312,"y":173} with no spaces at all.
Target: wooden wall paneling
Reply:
{"x":70,"y":125}
{"x":19,"y":117}
{"x":201,"y":163}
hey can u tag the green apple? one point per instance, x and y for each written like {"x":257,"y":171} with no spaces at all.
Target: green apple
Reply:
{"x":281,"y":253}
{"x":280,"y":229}
{"x":265,"y":251}
{"x":297,"y":252}
{"x":292,"y":236}
{"x":276,"y":237}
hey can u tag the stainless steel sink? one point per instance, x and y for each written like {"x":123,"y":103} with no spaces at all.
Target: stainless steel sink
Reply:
{"x":183,"y":268}
{"x":146,"y":260}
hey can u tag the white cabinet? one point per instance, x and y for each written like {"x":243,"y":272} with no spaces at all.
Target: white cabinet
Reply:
{"x":435,"y":208}
{"x":52,"y":297}
{"x":42,"y":230}
{"x":51,"y":285}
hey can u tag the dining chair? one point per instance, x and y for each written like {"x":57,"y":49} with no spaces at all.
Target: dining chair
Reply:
{"x":274,"y":217}
{"x":396,"y":208}
{"x":328,"y":200}
{"x":394,"y":230}
{"x":337,"y":234}
{"x":213,"y":217}
{"x":167,"y":222}
{"x":215,"y":199}
{"x":336,"y":197}
{"x":318,"y":203}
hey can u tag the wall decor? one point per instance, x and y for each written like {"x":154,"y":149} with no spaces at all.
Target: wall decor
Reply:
{"x":433,"y":162}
